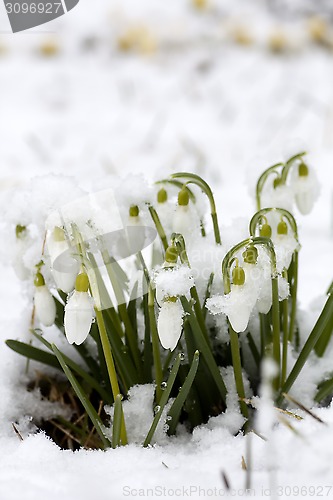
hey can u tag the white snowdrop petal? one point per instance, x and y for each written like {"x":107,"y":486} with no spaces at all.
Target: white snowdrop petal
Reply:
{"x":181,"y":219}
{"x":78,"y":317}
{"x":55,"y":248}
{"x":239,"y":318}
{"x":304,"y":195}
{"x":170,"y":324}
{"x":45,"y":307}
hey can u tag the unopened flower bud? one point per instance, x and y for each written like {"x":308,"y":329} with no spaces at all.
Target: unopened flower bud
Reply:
{"x":82,"y":283}
{"x":277,"y":182}
{"x":162,"y":196}
{"x":238,"y":276}
{"x":303,"y":170}
{"x":266,"y":231}
{"x":20,"y":231}
{"x":282,"y":228}
{"x":171,"y":255}
{"x":134,"y":211}
{"x":183,"y":197}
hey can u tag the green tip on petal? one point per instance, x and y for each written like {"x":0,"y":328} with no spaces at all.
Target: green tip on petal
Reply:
{"x":58,"y":234}
{"x":238,"y":276}
{"x":266,"y":231}
{"x":134,"y":211}
{"x":250,"y":255}
{"x":39,"y":280}
{"x":82,"y":283}
{"x":171,"y":255}
{"x":282,"y":227}
{"x":162,"y":196}
{"x":183,"y":197}
{"x":20,"y":231}
{"x":303,"y":170}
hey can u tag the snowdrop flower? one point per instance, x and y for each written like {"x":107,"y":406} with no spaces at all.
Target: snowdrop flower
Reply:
{"x":183,"y":219}
{"x":285,"y":245}
{"x":170,"y":322}
{"x":135,"y":231}
{"x":238,"y":304}
{"x":78,"y":312}
{"x":305,"y":187}
{"x":170,"y":262}
{"x":164,"y":209}
{"x":64,"y":266}
{"x":278,"y":195}
{"x":45,"y":307}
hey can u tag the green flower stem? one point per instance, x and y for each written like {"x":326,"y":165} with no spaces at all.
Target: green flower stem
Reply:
{"x":163,"y":400}
{"x":159,"y":227}
{"x":293,"y":291}
{"x":237,"y":366}
{"x":285,"y":336}
{"x":226,"y":265}
{"x":155,"y":344}
{"x":276,"y":330}
{"x":320,"y":326}
{"x":110,"y":366}
{"x":178,"y":403}
{"x":289,"y":164}
{"x":197,"y":180}
{"x":265,"y":333}
{"x":262,"y":180}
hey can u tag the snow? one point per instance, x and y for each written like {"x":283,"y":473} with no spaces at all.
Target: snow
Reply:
{"x":186,"y":98}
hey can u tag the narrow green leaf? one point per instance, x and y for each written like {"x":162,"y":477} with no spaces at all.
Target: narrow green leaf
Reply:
{"x":177,"y":405}
{"x":34,"y":353}
{"x":96,"y":420}
{"x":91,"y":381}
{"x":325,"y":389}
{"x":204,"y":349}
{"x":164,"y":399}
{"x":320,"y":327}
{"x":117,"y":418}
{"x":207,"y":294}
{"x":122,"y":357}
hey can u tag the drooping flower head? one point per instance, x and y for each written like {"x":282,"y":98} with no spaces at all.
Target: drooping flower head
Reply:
{"x":45,"y":307}
{"x":79,"y":312}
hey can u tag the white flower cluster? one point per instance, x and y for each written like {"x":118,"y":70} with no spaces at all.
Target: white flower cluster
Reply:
{"x":251,"y":290}
{"x":302,"y":189}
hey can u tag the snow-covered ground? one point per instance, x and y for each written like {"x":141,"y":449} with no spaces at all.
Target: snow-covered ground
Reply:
{"x":187,"y":99}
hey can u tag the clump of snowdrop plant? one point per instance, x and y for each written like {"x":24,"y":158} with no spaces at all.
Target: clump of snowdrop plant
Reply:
{"x":129,"y":303}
